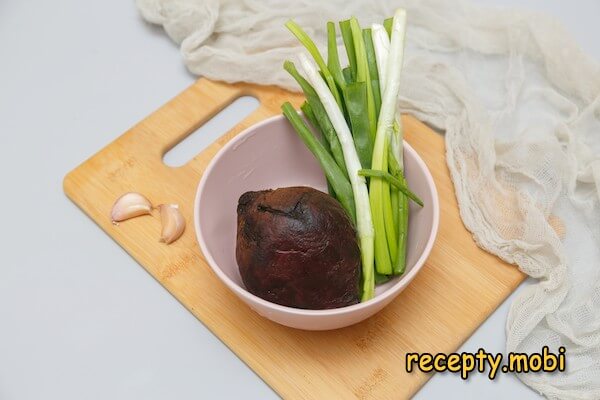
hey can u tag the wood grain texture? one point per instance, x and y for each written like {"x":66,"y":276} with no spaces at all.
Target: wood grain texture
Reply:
{"x":457,"y":289}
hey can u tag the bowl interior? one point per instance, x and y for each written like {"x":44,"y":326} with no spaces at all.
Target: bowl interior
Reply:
{"x":268,"y":156}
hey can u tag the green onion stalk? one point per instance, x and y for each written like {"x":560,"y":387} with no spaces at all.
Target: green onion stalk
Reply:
{"x":334,"y":174}
{"x":314,"y":52}
{"x":355,"y":110}
{"x":310,"y":116}
{"x":364,"y":222}
{"x":320,"y":115}
{"x":379,"y":189}
{"x":399,"y":200}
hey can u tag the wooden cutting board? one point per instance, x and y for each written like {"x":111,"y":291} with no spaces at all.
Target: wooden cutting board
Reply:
{"x":453,"y":294}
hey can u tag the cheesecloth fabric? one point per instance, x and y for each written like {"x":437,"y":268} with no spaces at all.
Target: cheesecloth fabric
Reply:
{"x":520,"y":106}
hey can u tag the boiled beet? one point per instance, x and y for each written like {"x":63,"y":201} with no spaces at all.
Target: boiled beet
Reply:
{"x":297,"y":247}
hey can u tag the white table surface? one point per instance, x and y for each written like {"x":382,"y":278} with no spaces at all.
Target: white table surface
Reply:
{"x":79,"y":318}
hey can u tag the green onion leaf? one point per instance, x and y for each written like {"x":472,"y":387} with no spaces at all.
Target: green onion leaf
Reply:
{"x":349,"y":44}
{"x":320,"y":114}
{"x":355,"y":97}
{"x":314,"y":52}
{"x":310,"y":116}
{"x":379,"y":188}
{"x":387,"y":24}
{"x":372,"y":173}
{"x":364,"y":222}
{"x":333,"y":59}
{"x":332,"y":171}
{"x":373,"y":73}
{"x":362,"y":72}
{"x":348,"y":75}
{"x":400,"y":262}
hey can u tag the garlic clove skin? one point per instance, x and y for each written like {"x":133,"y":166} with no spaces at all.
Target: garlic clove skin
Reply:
{"x":173,"y":223}
{"x":130,"y":205}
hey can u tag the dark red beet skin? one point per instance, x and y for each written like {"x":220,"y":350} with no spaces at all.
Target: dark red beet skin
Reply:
{"x":297,"y":247}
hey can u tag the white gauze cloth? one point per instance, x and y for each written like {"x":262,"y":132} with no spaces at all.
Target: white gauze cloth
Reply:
{"x":520,"y":106}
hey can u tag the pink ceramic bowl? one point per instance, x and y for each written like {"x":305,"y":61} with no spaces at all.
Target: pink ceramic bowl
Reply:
{"x":269,"y":155}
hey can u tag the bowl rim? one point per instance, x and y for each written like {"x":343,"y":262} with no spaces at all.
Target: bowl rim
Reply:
{"x":245,"y":294}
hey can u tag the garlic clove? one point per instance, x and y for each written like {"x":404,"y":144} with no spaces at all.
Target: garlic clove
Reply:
{"x":173,"y":223}
{"x":130,"y":205}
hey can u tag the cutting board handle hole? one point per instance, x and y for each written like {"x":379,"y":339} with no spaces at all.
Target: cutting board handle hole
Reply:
{"x":211,"y":130}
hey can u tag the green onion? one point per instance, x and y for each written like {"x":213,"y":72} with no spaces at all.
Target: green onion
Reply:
{"x":387,"y":24}
{"x":380,"y":202}
{"x":349,"y":44}
{"x":334,"y":174}
{"x":348,"y":75}
{"x":355,"y":97}
{"x":399,"y":201}
{"x":396,"y":182}
{"x":388,"y":213}
{"x":373,"y":72}
{"x":364,"y":224}
{"x":400,"y":262}
{"x":395,"y":200}
{"x":381,"y":46}
{"x":310,"y":115}
{"x":362,"y":73}
{"x":396,"y":145}
{"x":320,"y":114}
{"x":333,"y":59}
{"x":314,"y":51}
{"x":379,"y":279}
{"x":355,"y":110}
